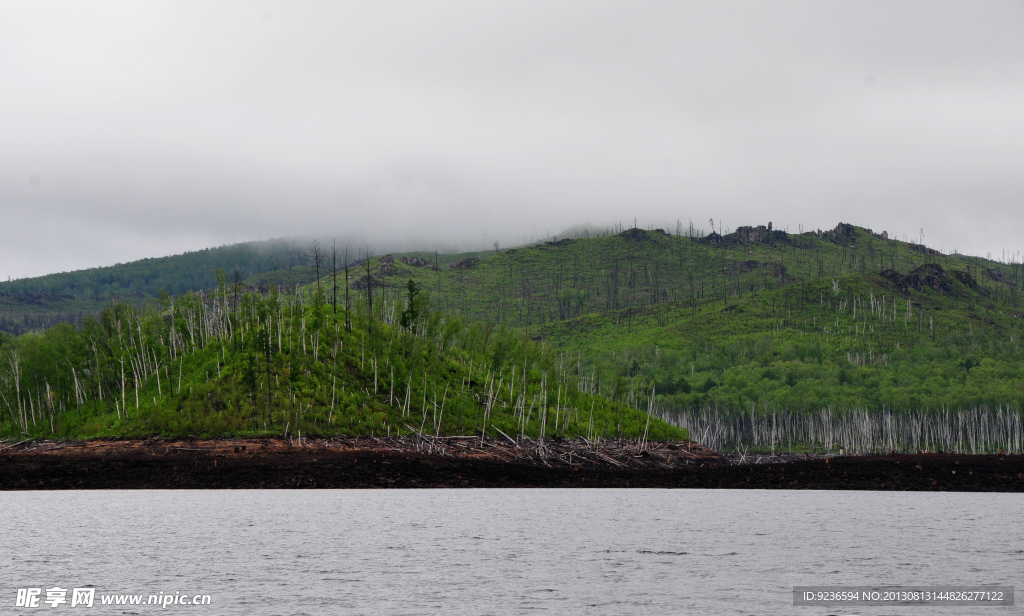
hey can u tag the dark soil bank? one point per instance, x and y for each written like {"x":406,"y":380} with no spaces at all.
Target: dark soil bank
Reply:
{"x":181,"y":466}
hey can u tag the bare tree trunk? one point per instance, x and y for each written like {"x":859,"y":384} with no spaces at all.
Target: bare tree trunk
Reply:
{"x":369,"y":296}
{"x":316,"y":258}
{"x":334,"y":276}
{"x":348,"y":306}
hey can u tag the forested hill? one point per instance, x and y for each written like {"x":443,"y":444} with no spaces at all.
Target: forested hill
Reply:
{"x":573,"y":277}
{"x":34,"y":303}
{"x":756,"y":319}
{"x":224,"y":364}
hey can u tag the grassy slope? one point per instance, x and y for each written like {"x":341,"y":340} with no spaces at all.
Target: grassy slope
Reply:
{"x":740,"y":322}
{"x":757,"y":352}
{"x":320,"y":379}
{"x":754,"y":318}
{"x":36,"y":303}
{"x":570,"y":278}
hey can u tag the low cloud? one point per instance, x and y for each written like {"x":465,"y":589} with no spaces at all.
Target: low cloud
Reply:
{"x":134,"y":130}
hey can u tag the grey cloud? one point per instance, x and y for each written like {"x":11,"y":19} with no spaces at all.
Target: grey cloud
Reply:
{"x":154,"y":128}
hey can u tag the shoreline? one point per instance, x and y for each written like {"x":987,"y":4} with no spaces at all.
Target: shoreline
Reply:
{"x":461,"y":462}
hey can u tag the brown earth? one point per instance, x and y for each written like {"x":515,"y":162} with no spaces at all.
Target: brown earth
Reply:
{"x":466,"y":462}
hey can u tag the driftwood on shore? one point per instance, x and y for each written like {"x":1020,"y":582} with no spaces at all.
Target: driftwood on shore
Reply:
{"x":471,"y":462}
{"x":566,"y":453}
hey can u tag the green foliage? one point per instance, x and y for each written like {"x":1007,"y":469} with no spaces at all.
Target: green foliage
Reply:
{"x":773,"y":352}
{"x":277,"y":364}
{"x":36,"y":303}
{"x":415,"y":306}
{"x":758,"y":317}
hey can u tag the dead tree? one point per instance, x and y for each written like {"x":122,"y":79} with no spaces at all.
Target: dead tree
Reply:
{"x":369,"y":297}
{"x":236,"y":286}
{"x":334,"y":276}
{"x":316,"y":255}
{"x":348,"y":306}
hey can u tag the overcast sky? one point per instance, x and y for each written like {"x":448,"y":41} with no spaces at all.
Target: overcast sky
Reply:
{"x":142,"y":129}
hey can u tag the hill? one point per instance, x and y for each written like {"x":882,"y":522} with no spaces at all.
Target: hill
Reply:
{"x":757,"y":318}
{"x":230,"y":364}
{"x":36,"y":303}
{"x":842,"y":335}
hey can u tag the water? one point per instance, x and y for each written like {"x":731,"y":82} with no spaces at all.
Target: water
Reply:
{"x":613,"y":552}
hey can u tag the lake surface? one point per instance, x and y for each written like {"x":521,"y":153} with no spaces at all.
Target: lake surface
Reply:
{"x":613,"y":552}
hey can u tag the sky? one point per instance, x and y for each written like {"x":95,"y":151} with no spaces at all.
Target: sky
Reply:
{"x":142,"y":129}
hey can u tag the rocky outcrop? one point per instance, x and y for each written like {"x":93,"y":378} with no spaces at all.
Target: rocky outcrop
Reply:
{"x":921,"y":248}
{"x":925,"y":277}
{"x":994,"y":274}
{"x":362,"y":282}
{"x":556,"y":242}
{"x":843,"y":232}
{"x":387,"y":266}
{"x":775,"y":270}
{"x":467,"y":263}
{"x":969,"y":281}
{"x":417,"y":262}
{"x":932,"y":276}
{"x":742,"y":267}
{"x":759,"y":235}
{"x":639,"y":235}
{"x":712,"y":239}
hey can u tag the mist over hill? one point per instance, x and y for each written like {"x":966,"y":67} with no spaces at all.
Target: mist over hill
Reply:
{"x":38,"y":302}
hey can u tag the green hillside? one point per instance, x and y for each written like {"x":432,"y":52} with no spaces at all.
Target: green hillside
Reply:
{"x":758,"y":322}
{"x":256,"y":364}
{"x":758,"y":318}
{"x":36,"y":303}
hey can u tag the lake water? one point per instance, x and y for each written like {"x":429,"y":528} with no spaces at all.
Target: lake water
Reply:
{"x":438,"y":552}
